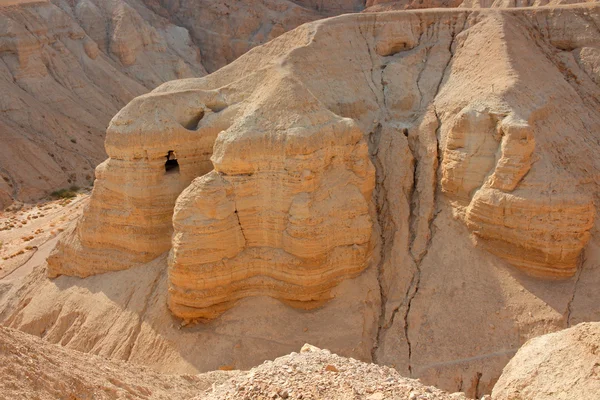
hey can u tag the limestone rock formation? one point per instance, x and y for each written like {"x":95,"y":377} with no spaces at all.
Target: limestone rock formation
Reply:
{"x":259,"y":187}
{"x":226,"y":29}
{"x":560,"y":365}
{"x":66,"y":70}
{"x":131,"y":209}
{"x":68,"y":67}
{"x":284,"y":213}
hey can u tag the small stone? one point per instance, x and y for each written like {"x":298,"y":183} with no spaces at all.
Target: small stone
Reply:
{"x":331,"y":368}
{"x":375,"y":396}
{"x":309,"y":348}
{"x":284,"y":394}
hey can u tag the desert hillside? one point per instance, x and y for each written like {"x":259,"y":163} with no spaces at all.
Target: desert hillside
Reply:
{"x":32,"y":368}
{"x":67,"y":68}
{"x":415,"y":189}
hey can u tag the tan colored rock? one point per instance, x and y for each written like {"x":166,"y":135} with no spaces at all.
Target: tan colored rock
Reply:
{"x":33,"y":368}
{"x":284,"y":213}
{"x":226,"y":29}
{"x":467,"y":115}
{"x":316,"y":373}
{"x":129,"y":216}
{"x":389,"y":5}
{"x":560,"y":365}
{"x":61,"y":84}
{"x":68,"y":67}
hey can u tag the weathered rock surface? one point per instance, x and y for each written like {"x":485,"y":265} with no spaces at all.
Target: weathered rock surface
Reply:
{"x":68,"y":67}
{"x":284,"y":213}
{"x":560,"y":365}
{"x":473,"y":120}
{"x":65,"y":71}
{"x":32,"y":368}
{"x":226,"y":29}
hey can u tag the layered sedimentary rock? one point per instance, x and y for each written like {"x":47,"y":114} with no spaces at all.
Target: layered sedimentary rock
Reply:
{"x":129,"y":216}
{"x":537,"y":227}
{"x":68,"y":67}
{"x":481,"y":128}
{"x":389,"y":5}
{"x":226,"y":29}
{"x":65,"y":71}
{"x":285,"y":213}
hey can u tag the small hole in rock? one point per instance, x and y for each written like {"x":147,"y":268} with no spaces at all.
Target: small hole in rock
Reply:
{"x":405,"y":131}
{"x":192,"y":124}
{"x":171,"y":165}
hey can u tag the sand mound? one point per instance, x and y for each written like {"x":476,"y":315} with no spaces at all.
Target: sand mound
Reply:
{"x":318,"y":374}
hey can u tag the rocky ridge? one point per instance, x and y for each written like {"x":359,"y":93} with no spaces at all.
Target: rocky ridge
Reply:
{"x":68,"y":67}
{"x":472,"y":119}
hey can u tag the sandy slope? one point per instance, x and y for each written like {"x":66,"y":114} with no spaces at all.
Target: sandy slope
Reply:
{"x":33,"y":369}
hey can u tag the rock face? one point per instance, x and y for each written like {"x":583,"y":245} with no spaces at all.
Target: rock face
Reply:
{"x":284,"y":213}
{"x":225,"y":30}
{"x":389,"y":5}
{"x":65,"y":71}
{"x":561,"y":365}
{"x":68,"y":67}
{"x":407,"y":166}
{"x":135,"y":194}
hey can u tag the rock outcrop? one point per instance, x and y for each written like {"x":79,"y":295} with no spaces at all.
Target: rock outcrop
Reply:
{"x":390,"y":5}
{"x":65,"y":71}
{"x":130,"y":213}
{"x":68,"y":67}
{"x":284,"y":213}
{"x":560,"y":365}
{"x":406,"y":166}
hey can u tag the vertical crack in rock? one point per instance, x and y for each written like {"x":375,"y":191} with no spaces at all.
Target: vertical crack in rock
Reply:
{"x":569,"y":310}
{"x":478,"y":376}
{"x":372,"y":82}
{"x":379,"y":197}
{"x":237,"y":215}
{"x":413,"y":288}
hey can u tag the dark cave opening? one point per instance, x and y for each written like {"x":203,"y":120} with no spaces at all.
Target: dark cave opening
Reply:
{"x":171,"y":165}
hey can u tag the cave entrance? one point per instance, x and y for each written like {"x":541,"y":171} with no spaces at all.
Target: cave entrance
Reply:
{"x":171,"y":166}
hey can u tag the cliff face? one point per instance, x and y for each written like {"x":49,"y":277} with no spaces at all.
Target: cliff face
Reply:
{"x":65,"y":71}
{"x":441,"y":161}
{"x":69,"y":66}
